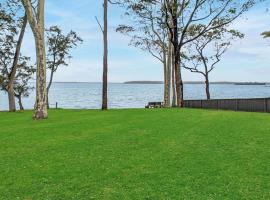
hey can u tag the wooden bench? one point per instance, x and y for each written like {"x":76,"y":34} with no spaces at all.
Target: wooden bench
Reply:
{"x":155,"y":105}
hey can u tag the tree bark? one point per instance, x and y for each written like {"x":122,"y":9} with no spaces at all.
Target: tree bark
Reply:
{"x":105,"y":59}
{"x":41,"y":92}
{"x":180,"y":84}
{"x":37,"y":26}
{"x":207,"y":88}
{"x":11,"y":98}
{"x":49,"y":86}
{"x":165,"y":71}
{"x":20,"y":102}
{"x":12,"y":75}
{"x":173,"y":84}
{"x":169,"y":66}
{"x":178,"y":77}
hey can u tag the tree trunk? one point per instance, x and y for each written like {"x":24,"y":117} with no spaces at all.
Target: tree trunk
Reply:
{"x":48,"y":104}
{"x":165,"y":71}
{"x":20,"y":102}
{"x":41,"y":90}
{"x":12,"y":75}
{"x":173,"y":84}
{"x":49,"y":86}
{"x":207,"y":88}
{"x":177,"y":62}
{"x":169,"y":66}
{"x":105,"y":59}
{"x":36,"y":21}
{"x":178,"y":80}
{"x":11,"y":98}
{"x":181,"y":90}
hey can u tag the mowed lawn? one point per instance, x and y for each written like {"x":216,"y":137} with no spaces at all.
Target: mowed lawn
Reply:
{"x":135,"y":154}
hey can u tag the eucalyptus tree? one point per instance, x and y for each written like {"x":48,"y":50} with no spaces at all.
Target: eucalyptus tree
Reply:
{"x":35,"y":15}
{"x":12,"y":27}
{"x":104,"y":30}
{"x":59,"y":46}
{"x":209,"y":49}
{"x":202,"y":15}
{"x":147,"y":30}
{"x":105,"y":57}
{"x":13,"y":71}
{"x":6,"y":32}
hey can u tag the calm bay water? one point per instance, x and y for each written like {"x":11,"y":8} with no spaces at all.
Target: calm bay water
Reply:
{"x":88,"y":95}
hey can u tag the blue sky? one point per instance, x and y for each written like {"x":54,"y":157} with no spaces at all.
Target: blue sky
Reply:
{"x":247,"y":60}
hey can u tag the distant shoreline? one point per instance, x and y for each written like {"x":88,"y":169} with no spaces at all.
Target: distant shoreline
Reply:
{"x":161,"y":82}
{"x":199,"y":82}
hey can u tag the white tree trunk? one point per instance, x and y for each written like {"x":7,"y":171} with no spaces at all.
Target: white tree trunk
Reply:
{"x":37,"y":25}
{"x":168,"y":74}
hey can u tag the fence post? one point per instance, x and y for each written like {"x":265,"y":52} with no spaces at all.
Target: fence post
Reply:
{"x":237,"y":105}
{"x":265,"y":105}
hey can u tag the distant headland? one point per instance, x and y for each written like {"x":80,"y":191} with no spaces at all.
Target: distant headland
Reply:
{"x":198,"y":82}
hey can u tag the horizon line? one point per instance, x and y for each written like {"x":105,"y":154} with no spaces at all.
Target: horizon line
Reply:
{"x":161,"y":82}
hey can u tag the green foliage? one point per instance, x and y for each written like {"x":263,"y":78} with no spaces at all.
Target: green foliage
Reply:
{"x":24,"y":75}
{"x":204,"y":53}
{"x":135,"y":154}
{"x":146,"y":26}
{"x":10,"y":25}
{"x":59,"y":47}
{"x":8,"y":32}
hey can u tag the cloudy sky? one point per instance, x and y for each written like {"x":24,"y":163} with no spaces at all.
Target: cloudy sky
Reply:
{"x":247,"y":60}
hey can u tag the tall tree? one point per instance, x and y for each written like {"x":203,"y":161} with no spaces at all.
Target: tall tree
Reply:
{"x":104,"y":30}
{"x":35,"y":16}
{"x":12,"y":74}
{"x":204,"y":15}
{"x":105,"y":58}
{"x":147,"y":30}
{"x":59,"y":47}
{"x":13,"y":26}
{"x":13,"y":29}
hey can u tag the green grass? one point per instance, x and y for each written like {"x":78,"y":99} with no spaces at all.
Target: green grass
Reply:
{"x":135,"y":154}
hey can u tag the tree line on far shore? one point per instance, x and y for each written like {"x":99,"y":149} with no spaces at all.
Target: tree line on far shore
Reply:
{"x":181,"y":34}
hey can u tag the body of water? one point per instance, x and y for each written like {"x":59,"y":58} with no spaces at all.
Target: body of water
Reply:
{"x":88,"y":95}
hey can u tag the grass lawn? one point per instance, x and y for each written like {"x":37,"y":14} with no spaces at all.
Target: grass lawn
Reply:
{"x":135,"y":154}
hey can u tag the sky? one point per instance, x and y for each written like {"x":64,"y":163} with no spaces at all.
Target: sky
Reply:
{"x":246,"y":60}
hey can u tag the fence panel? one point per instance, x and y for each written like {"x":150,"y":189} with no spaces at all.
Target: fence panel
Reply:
{"x":228,"y":104}
{"x":210,"y":104}
{"x":250,"y":105}
{"x":193,"y":104}
{"x":268,"y":105}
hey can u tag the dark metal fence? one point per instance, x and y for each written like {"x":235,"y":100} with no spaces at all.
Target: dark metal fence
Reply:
{"x":250,"y":105}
